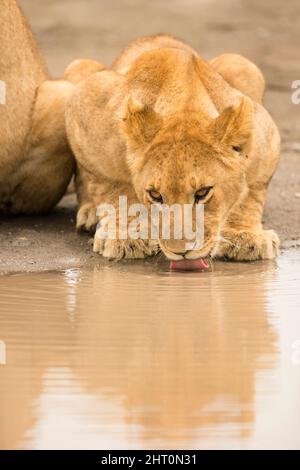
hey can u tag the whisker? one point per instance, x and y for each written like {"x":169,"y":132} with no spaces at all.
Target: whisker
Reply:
{"x":210,"y":261}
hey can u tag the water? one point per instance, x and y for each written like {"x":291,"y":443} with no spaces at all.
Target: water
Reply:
{"x":132,"y":356}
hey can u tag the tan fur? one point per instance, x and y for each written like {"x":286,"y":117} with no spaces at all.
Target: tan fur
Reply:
{"x":80,"y":69}
{"x":237,"y":70}
{"x":36,"y":162}
{"x":166,"y":119}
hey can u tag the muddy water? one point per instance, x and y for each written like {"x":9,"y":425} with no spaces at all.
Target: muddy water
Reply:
{"x":132,"y":356}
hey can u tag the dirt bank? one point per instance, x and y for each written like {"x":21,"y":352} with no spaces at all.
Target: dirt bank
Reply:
{"x":267,"y":33}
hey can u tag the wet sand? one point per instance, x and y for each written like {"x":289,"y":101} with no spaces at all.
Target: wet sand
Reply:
{"x":267,"y":33}
{"x":173,"y":361}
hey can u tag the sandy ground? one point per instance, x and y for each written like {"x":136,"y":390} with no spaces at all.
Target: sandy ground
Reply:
{"x":266,"y":32}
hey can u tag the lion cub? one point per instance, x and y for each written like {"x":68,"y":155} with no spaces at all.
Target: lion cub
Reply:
{"x":164,"y":126}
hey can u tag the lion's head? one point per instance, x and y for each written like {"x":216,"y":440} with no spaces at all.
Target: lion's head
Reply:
{"x":190,"y":159}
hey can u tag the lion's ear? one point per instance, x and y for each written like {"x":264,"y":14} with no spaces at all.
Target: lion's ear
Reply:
{"x":141,"y":122}
{"x":234,"y":126}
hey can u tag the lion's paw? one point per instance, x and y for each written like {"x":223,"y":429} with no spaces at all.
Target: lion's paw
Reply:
{"x":248,"y":246}
{"x":125,"y":249}
{"x":87,"y":218}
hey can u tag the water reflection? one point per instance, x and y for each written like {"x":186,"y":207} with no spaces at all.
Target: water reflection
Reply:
{"x":132,"y":356}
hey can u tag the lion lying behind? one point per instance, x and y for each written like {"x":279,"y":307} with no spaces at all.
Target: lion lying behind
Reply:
{"x":164,"y":126}
{"x":36,"y":162}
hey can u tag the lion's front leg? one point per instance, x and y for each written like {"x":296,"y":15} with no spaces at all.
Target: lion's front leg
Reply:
{"x":120,"y":244}
{"x":243,"y":238}
{"x":93,"y":193}
{"x":246,"y":245}
{"x":89,"y":195}
{"x":125,"y":249}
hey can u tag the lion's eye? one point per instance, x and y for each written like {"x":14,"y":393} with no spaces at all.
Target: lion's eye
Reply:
{"x":202,"y":194}
{"x":155,"y":196}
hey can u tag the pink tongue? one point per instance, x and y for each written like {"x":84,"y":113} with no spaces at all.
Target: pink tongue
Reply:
{"x":189,"y":264}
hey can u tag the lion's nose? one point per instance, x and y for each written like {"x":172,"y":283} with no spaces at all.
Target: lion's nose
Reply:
{"x":178,"y":247}
{"x":182,"y":253}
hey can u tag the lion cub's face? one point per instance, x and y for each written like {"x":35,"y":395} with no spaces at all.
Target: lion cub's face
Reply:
{"x":183,"y":160}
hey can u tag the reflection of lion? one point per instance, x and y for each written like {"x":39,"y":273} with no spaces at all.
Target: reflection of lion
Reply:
{"x":181,"y":365}
{"x":158,"y":365}
{"x":165,"y":126}
{"x":36,"y":163}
